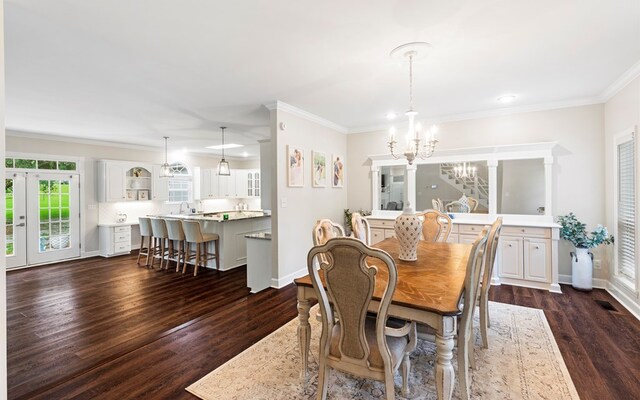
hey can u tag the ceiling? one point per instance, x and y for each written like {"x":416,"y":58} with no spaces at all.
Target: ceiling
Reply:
{"x":134,"y":71}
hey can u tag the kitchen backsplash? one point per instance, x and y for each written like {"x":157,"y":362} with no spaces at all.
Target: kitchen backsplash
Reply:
{"x":134,"y":209}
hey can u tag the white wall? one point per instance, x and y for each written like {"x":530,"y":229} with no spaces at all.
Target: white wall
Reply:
{"x":3,"y":277}
{"x":621,"y":112}
{"x":22,"y":142}
{"x":292,"y":225}
{"x":578,"y":172}
{"x":522,"y":186}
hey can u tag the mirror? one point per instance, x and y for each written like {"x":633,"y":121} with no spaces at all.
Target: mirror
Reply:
{"x":453,"y":187}
{"x":392,"y":188}
{"x":521,"y":187}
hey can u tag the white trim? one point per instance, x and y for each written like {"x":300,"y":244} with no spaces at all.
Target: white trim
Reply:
{"x":282,"y":106}
{"x":489,"y":113}
{"x":622,"y":81}
{"x":623,"y":298}
{"x":279,"y":283}
{"x":597,"y":283}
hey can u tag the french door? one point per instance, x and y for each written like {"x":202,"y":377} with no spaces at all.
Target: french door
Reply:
{"x":45,"y":223}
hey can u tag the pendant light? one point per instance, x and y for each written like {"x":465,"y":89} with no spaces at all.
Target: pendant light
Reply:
{"x":223,"y":165}
{"x":165,"y":169}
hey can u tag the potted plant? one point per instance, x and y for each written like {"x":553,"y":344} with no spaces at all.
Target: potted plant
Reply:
{"x":582,"y":259}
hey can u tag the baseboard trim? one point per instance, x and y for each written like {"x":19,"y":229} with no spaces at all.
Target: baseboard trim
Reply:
{"x":627,"y":302}
{"x":597,"y":283}
{"x":285,"y":280}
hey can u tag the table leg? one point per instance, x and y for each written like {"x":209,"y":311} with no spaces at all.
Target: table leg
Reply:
{"x":304,"y":333}
{"x":445,"y":376}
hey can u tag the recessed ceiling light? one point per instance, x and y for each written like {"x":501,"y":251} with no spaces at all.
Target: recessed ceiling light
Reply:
{"x":245,"y":154}
{"x":507,"y":98}
{"x":226,"y":146}
{"x":391,"y":116}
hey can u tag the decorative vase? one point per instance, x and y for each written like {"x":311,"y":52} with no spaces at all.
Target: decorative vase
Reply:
{"x":582,"y":269}
{"x":408,"y":228}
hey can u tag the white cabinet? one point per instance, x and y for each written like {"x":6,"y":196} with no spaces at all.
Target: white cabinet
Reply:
{"x":242,"y":183}
{"x":227,"y":185}
{"x":114,"y":240}
{"x":537,"y":259}
{"x":111,"y":181}
{"x":125,"y":181}
{"x":512,"y":257}
{"x":205,"y":184}
{"x":253,"y":183}
{"x":160,"y":187}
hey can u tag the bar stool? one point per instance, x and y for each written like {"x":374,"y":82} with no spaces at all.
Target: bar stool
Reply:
{"x":193,"y":233}
{"x":175,"y":233}
{"x":160,"y":237}
{"x":145,"y":233}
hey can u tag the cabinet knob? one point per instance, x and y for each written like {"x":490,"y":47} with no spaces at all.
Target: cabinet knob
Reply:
{"x":537,"y":247}
{"x":510,"y":245}
{"x":524,"y":230}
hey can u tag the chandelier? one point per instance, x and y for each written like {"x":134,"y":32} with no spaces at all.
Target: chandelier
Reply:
{"x":465,"y":170}
{"x":223,"y":165}
{"x":165,"y":169}
{"x":413,"y":149}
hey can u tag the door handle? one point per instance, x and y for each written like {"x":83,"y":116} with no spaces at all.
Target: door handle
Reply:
{"x":21,"y":224}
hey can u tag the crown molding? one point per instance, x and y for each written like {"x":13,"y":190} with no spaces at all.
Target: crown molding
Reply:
{"x":282,"y":106}
{"x":619,"y":84}
{"x":491,"y":113}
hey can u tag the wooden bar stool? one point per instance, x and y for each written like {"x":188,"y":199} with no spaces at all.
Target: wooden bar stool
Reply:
{"x":145,"y":233}
{"x":175,"y":234}
{"x":194,"y":234}
{"x":160,"y":237}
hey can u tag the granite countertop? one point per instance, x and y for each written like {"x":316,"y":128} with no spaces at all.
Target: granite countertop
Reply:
{"x":126,"y":223}
{"x":259,"y":235}
{"x":217,"y":216}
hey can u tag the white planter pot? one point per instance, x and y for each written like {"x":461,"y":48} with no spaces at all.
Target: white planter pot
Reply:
{"x":582,"y":269}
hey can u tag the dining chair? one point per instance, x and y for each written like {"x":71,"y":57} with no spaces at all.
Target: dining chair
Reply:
{"x":194,"y":235}
{"x":146,"y":234}
{"x":473,"y":275}
{"x":361,"y":229}
{"x":352,"y":341}
{"x":437,"y":204}
{"x":436,"y":226}
{"x":392,"y":205}
{"x":176,"y":236}
{"x":160,"y":237}
{"x":457,"y":206}
{"x":473,"y":203}
{"x":490,"y":260}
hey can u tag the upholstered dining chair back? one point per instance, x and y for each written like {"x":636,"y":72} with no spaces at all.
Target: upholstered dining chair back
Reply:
{"x":473,"y":203}
{"x":437,"y":204}
{"x":361,"y":229}
{"x":325,"y":230}
{"x":489,"y":263}
{"x":192,"y":232}
{"x":457,"y":206}
{"x":174,"y":229}
{"x":350,"y":341}
{"x":158,"y":227}
{"x":465,"y":327}
{"x":436,"y":226}
{"x":145,"y":226}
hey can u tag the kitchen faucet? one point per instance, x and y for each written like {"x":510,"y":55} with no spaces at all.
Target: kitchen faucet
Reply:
{"x":184,"y":202}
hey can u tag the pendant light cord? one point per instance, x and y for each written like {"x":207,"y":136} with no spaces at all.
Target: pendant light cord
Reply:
{"x":411,"y":83}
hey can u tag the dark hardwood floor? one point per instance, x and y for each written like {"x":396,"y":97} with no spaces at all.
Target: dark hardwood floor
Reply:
{"x":108,"y":329}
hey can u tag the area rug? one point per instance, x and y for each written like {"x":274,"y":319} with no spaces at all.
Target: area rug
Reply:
{"x":523,"y":362}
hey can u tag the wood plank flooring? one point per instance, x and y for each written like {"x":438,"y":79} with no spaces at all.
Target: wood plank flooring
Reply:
{"x":108,"y":329}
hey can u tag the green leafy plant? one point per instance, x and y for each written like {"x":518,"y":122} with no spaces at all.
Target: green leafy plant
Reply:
{"x":576,"y":232}
{"x":347,"y":217}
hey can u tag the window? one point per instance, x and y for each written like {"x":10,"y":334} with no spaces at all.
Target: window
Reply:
{"x":626,"y":206}
{"x":28,"y":163}
{"x":181,"y":184}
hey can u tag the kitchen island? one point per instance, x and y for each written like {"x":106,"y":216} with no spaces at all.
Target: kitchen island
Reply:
{"x":232,"y":231}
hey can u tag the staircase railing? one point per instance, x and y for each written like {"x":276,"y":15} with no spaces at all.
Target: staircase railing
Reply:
{"x":477,"y":185}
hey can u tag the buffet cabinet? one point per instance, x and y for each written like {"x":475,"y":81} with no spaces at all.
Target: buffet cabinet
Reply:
{"x":527,"y":255}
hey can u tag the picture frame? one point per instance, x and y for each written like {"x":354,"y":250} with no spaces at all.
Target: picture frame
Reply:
{"x":131,"y":195}
{"x":318,"y":169}
{"x":295,"y":166}
{"x":337,"y":171}
{"x":143,"y":195}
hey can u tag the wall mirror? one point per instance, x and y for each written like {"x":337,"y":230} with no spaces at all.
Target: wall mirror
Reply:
{"x":392,"y":188}
{"x":521,"y":187}
{"x":453,"y":187}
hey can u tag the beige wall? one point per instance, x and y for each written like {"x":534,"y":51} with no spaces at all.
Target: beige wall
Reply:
{"x":292,"y":225}
{"x":29,"y":143}
{"x":621,"y":112}
{"x":578,"y":171}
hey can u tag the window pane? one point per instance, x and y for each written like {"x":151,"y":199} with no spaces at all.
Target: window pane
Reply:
{"x":47,"y":164}
{"x":66,"y":165}
{"x":22,"y":163}
{"x":626,"y":223}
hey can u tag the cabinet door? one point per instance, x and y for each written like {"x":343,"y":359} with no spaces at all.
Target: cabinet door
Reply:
{"x":256,"y":183}
{"x":377,"y":235}
{"x":206,"y":191}
{"x":160,"y":187}
{"x":537,"y":260}
{"x":241,"y":180}
{"x":227,"y":185}
{"x":115,"y":181}
{"x":511,"y":257}
{"x":250,"y":184}
{"x":453,"y":238}
{"x":389,"y":233}
{"x":467,"y":239}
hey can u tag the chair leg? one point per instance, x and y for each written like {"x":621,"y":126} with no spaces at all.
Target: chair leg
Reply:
{"x":389,"y":386}
{"x":195,"y":271}
{"x":171,"y":253}
{"x":323,"y":380}
{"x":186,"y":257}
{"x":484,"y":321}
{"x":140,"y":251}
{"x":180,"y":253}
{"x":163,"y":248}
{"x":463,"y":366}
{"x":217,"y":249}
{"x":406,"y":367}
{"x":151,"y":250}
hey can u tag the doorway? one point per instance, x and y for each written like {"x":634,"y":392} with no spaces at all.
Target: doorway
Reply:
{"x":42,"y":217}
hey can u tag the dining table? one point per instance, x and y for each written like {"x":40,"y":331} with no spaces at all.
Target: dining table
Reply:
{"x":428,"y":291}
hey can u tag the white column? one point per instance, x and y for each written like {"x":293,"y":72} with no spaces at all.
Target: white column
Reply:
{"x":493,"y":186}
{"x":375,"y":187}
{"x":410,"y":185}
{"x":548,"y":185}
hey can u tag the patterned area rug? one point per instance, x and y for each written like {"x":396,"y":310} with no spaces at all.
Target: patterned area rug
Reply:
{"x":522,"y":362}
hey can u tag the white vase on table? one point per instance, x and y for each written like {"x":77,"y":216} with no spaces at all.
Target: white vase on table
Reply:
{"x":408,"y":228}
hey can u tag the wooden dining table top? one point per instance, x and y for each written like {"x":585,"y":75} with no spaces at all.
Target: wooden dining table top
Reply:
{"x":434,"y":282}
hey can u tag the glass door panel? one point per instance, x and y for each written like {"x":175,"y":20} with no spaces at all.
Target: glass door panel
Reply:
{"x":15,"y":225}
